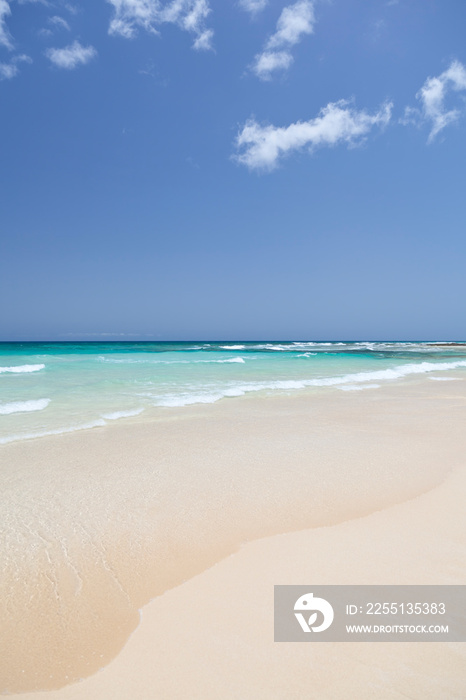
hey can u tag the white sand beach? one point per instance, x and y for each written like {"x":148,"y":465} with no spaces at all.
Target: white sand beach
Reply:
{"x":201,"y":513}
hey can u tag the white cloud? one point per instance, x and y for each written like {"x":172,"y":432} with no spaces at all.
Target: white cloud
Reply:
{"x":71,"y":56}
{"x":8,"y":71}
{"x":294,"y":22}
{"x":189,"y":15}
{"x":432,"y":98}
{"x":204,"y":40}
{"x":11,"y":69}
{"x":261,"y":147}
{"x":253,"y":6}
{"x":133,"y":14}
{"x":5,"y":38}
{"x":59,"y":22}
{"x":270,"y":61}
{"x":71,"y":8}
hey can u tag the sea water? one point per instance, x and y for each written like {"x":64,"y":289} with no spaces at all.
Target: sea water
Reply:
{"x":53,"y":388}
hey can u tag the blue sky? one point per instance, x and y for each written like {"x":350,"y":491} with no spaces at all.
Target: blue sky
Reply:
{"x":200,"y":169}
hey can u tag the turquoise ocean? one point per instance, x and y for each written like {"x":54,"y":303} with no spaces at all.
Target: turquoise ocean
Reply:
{"x":53,"y":388}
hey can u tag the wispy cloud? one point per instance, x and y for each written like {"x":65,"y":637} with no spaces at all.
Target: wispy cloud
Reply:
{"x":189,"y":15}
{"x":56,"y":23}
{"x":432,"y":97}
{"x":72,"y":9}
{"x":71,"y":56}
{"x":294,"y":22}
{"x":377,"y":30}
{"x":5,"y":37}
{"x":131,"y":15}
{"x":203,"y":41}
{"x":152,"y":71}
{"x":253,"y":6}
{"x":8,"y":71}
{"x":59,"y":22}
{"x":261,"y":147}
{"x":269,"y":61}
{"x":11,"y":69}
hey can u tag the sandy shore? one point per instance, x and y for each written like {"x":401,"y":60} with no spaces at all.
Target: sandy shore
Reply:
{"x":98,"y":523}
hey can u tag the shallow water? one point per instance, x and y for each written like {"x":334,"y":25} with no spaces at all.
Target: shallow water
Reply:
{"x":96,"y":523}
{"x":52,"y":388}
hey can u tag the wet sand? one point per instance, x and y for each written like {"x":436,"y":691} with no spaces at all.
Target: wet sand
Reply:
{"x":211,"y":507}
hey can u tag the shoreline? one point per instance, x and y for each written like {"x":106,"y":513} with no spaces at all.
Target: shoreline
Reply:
{"x":164,"y":413}
{"x":140,"y":520}
{"x":228,"y":651}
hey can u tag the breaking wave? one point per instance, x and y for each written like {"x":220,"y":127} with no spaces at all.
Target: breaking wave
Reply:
{"x":19,"y":369}
{"x":367,"y":379}
{"x":23,"y":406}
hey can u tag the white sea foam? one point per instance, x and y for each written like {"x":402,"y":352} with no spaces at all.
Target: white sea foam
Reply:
{"x":150,"y":361}
{"x":187,"y":399}
{"x":367,"y":379}
{"x":233,"y":359}
{"x":57,"y":431}
{"x":323,"y":345}
{"x":232,"y":347}
{"x":444,"y":379}
{"x":175,"y":400}
{"x":399,"y":347}
{"x":270,"y":346}
{"x":19,"y":369}
{"x":23,"y":406}
{"x":370,"y":346}
{"x":218,"y":362}
{"x":122,"y":414}
{"x":394,"y":373}
{"x":294,"y":346}
{"x":126,"y":361}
